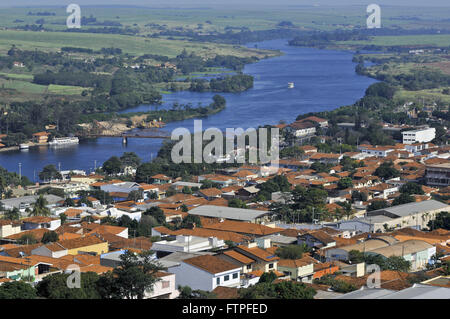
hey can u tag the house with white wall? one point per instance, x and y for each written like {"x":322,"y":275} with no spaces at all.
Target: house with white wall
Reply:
{"x":187,"y":244}
{"x":206,"y":272}
{"x":8,"y":228}
{"x":164,"y":288}
{"x":36,"y":222}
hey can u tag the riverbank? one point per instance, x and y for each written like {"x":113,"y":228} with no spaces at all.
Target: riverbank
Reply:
{"x":324,"y":80}
{"x":153,"y":119}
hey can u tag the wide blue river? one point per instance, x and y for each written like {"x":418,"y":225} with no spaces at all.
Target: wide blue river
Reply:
{"x":324,"y":80}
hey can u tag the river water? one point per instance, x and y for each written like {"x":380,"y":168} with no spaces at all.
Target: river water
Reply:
{"x":324,"y":80}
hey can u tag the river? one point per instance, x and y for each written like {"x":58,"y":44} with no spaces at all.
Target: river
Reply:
{"x":324,"y":80}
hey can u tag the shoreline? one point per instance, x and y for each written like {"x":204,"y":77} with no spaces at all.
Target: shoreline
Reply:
{"x":102,"y":156}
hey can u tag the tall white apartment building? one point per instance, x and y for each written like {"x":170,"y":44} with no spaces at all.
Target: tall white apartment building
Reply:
{"x":422,"y":135}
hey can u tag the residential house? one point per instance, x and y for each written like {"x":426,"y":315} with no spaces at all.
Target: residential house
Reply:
{"x":317,"y":239}
{"x":210,"y":193}
{"x":41,"y":137}
{"x":90,"y":244}
{"x":53,"y":250}
{"x":297,"y":269}
{"x":248,"y":229}
{"x":161,"y":179}
{"x":8,"y":228}
{"x":326,"y":158}
{"x":231,"y":214}
{"x":263,"y":254}
{"x":164,"y":288}
{"x":316,"y":120}
{"x":36,"y":222}
{"x":378,"y":151}
{"x":186,"y":244}
{"x":206,"y":272}
{"x":302,"y":129}
{"x":239,"y":259}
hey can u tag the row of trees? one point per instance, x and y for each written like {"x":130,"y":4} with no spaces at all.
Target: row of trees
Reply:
{"x":132,"y":279}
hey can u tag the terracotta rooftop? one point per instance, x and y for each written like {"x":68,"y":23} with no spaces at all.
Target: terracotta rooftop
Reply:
{"x":211,"y":264}
{"x":38,"y":219}
{"x":244,"y":228}
{"x":239,"y":257}
{"x":264,"y":254}
{"x":80,"y":242}
{"x":211,"y":192}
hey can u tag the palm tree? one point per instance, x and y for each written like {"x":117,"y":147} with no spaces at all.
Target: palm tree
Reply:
{"x":40,"y":207}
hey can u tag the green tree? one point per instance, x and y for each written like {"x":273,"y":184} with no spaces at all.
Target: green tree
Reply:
{"x":186,"y":190}
{"x":135,"y":275}
{"x":412,"y":188}
{"x":157,"y":213}
{"x":13,"y":214}
{"x":285,"y":289}
{"x":130,"y":159}
{"x":348,"y":209}
{"x":355,"y":256}
{"x":442,"y":220}
{"x":49,"y":172}
{"x":135,"y":195}
{"x":268,"y":277}
{"x":55,"y":287}
{"x":63,"y":218}
{"x":345,"y":182}
{"x":278,"y":183}
{"x":50,"y":237}
{"x":40,"y":207}
{"x":404,"y":198}
{"x":190,"y":220}
{"x":290,"y":252}
{"x":17,"y":290}
{"x":27,"y":239}
{"x":377,"y":204}
{"x":381,"y":89}
{"x":237,"y":203}
{"x":446,"y":268}
{"x":386,"y":171}
{"x":397,"y":263}
{"x":359,"y":196}
{"x":69,"y":202}
{"x":112,"y":166}
{"x":145,"y":171}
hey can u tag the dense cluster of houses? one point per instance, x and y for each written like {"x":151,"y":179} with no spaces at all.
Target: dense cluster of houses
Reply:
{"x":233,"y":247}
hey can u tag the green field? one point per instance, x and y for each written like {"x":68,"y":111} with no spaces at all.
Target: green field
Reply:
{"x":215,"y":18}
{"x":53,"y":41}
{"x":422,"y":96}
{"x":23,"y":86}
{"x":66,"y":89}
{"x":27,"y":87}
{"x":16,"y":76}
{"x":440,"y":40}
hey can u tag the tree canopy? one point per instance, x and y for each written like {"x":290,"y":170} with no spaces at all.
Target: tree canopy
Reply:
{"x":17,"y":290}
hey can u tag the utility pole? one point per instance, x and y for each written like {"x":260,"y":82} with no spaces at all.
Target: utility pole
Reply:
{"x":95,"y":165}
{"x":20,"y":172}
